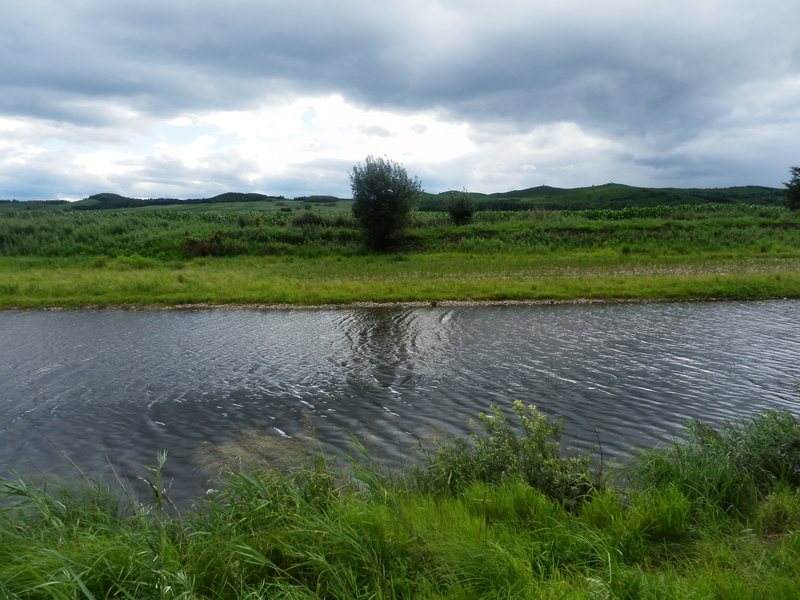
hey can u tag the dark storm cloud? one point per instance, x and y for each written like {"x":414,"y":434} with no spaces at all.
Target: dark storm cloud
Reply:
{"x":663,"y":74}
{"x":166,"y":57}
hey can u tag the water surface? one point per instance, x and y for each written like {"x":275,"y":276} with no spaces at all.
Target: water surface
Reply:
{"x":109,"y":389}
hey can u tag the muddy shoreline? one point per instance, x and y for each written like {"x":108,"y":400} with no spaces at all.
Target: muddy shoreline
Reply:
{"x":410,"y":304}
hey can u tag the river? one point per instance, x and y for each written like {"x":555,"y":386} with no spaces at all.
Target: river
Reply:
{"x":107,"y":390}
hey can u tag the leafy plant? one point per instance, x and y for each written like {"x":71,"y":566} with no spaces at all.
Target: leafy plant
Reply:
{"x":460,"y":206}
{"x":499,"y":452}
{"x":383,"y":198}
{"x":792,"y":190}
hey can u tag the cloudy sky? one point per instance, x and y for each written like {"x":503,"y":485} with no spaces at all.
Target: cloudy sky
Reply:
{"x":191,"y":98}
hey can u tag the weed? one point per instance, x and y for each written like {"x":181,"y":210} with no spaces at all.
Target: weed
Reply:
{"x":730,"y":468}
{"x":498,"y":452}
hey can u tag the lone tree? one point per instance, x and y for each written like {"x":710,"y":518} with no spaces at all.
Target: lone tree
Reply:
{"x":461,"y":206}
{"x":792,"y":190}
{"x":383,"y":198}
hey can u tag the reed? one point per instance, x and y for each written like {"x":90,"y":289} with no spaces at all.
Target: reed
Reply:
{"x":730,"y":468}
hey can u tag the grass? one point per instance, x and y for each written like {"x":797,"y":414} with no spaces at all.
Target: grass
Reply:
{"x":137,"y":281}
{"x":160,"y":257}
{"x":312,"y":530}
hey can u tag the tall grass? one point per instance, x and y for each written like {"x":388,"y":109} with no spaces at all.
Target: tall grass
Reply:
{"x":160,"y":257}
{"x":731,"y":468}
{"x":498,"y":452}
{"x":175,"y":235}
{"x":314,"y":530}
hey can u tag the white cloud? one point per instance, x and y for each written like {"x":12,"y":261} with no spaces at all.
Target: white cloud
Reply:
{"x":281,"y":138}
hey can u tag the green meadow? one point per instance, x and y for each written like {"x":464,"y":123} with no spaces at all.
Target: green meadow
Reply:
{"x":54,"y":256}
{"x":503,"y":513}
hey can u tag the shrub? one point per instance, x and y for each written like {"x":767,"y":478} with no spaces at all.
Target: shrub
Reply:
{"x":460,"y":206}
{"x":306,"y":218}
{"x":499,"y":452}
{"x":383,"y":198}
{"x":215,"y":243}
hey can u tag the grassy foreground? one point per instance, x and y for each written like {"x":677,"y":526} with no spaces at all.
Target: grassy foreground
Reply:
{"x":502,"y":514}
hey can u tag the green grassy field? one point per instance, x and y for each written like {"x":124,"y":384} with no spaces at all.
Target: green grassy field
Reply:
{"x":137,"y":281}
{"x":136,"y":257}
{"x":502,"y":514}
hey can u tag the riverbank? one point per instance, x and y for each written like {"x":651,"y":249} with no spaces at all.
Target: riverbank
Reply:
{"x":412,"y":280}
{"x":501,"y":515}
{"x":161,"y":258}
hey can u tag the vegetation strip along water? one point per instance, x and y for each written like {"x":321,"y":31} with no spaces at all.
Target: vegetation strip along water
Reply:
{"x":163,"y":258}
{"x":504,"y":513}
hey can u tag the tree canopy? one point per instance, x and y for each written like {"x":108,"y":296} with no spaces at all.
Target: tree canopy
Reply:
{"x":383,"y":198}
{"x":460,"y":206}
{"x":792,"y":190}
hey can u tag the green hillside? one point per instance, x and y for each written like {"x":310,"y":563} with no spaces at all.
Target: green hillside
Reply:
{"x":15,"y":205}
{"x":612,"y":196}
{"x":115,"y":201}
{"x":607,"y":196}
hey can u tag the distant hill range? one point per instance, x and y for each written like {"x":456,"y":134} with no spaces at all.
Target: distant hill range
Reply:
{"x":608,"y":196}
{"x":612,"y":196}
{"x":115,"y":201}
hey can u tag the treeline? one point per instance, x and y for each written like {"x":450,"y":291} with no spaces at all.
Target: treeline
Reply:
{"x":542,"y":198}
{"x":610,"y":197}
{"x":35,"y":202}
{"x":107,"y":201}
{"x":319,"y":199}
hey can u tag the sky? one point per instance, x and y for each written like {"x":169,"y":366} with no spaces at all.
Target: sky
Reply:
{"x":192,"y":98}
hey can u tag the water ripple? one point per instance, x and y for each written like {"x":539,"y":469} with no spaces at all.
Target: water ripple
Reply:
{"x":115,"y":387}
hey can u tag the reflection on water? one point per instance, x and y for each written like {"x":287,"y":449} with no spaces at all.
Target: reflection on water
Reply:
{"x":115,"y":387}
